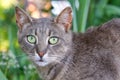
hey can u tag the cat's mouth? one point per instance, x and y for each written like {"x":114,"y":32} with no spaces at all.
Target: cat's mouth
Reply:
{"x":41,"y":60}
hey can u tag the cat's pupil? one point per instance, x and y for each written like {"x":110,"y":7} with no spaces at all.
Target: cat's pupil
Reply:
{"x":53,"y":39}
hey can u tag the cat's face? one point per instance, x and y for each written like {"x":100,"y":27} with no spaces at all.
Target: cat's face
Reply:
{"x":44,"y":40}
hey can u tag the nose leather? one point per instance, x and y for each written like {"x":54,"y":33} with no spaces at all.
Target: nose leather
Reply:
{"x":41,"y":54}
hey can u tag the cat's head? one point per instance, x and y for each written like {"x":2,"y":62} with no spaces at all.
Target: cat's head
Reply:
{"x":45,"y":40}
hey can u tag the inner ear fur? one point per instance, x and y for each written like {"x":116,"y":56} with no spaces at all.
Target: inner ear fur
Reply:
{"x":65,"y":18}
{"x":21,"y":17}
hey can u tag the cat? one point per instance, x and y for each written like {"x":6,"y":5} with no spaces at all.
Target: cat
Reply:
{"x":60,"y":54}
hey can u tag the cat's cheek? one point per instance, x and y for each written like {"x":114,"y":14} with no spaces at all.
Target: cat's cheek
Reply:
{"x":36,"y":57}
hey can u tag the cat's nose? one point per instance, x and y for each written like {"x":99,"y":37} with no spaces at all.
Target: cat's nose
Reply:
{"x":41,"y":54}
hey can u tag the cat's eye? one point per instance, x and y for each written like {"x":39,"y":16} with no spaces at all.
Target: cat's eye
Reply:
{"x":31,"y":39}
{"x":53,"y":40}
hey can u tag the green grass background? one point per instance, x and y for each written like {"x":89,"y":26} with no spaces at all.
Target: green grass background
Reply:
{"x":14,"y":64}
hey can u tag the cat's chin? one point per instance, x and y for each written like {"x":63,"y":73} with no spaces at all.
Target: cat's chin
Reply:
{"x":42,"y":63}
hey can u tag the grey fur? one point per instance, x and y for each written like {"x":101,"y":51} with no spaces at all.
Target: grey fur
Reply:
{"x":93,"y":55}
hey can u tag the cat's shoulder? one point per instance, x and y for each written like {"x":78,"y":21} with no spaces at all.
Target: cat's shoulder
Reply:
{"x":110,"y":26}
{"x":105,"y":33}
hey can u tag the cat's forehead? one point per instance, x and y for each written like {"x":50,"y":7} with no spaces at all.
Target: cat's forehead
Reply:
{"x":43,"y":25}
{"x":43,"y":22}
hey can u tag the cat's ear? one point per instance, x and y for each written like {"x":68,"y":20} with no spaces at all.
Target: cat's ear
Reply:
{"x":65,"y":18}
{"x":21,"y":18}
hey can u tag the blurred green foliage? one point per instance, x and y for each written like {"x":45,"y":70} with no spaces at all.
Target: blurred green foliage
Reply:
{"x":14,"y":64}
{"x":93,"y":12}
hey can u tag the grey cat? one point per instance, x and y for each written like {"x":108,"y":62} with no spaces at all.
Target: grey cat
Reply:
{"x":60,"y":54}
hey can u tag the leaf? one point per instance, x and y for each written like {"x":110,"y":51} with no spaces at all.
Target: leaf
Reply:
{"x":80,"y":14}
{"x":83,"y":14}
{"x":112,"y":10}
{"x":2,"y":76}
{"x":75,"y":24}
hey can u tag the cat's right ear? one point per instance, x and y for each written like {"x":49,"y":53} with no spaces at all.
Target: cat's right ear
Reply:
{"x":21,"y":18}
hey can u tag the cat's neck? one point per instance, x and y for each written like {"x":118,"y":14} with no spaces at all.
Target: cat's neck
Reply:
{"x":50,"y":72}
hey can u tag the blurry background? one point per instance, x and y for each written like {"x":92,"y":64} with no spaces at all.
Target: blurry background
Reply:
{"x":14,"y":64}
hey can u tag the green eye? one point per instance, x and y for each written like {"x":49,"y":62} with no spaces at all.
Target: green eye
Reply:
{"x":53,"y":40}
{"x":31,"y":39}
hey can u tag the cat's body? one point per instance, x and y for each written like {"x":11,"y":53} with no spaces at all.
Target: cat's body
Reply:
{"x":60,"y":54}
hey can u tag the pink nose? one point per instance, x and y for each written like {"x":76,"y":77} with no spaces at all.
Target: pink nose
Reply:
{"x":41,"y":54}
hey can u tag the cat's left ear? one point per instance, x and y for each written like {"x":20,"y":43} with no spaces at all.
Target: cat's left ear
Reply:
{"x":65,"y":18}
